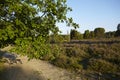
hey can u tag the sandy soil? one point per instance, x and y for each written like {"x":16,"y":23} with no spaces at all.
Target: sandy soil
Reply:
{"x":36,"y":70}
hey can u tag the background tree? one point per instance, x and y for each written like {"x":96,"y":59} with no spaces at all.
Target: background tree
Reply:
{"x":110,"y":34}
{"x":27,"y":23}
{"x":92,"y":35}
{"x":118,"y":27}
{"x":75,"y":35}
{"x":99,"y":32}
{"x":117,"y":33}
{"x":86,"y":34}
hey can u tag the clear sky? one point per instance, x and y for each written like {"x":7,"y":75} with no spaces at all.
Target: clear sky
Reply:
{"x":90,"y":14}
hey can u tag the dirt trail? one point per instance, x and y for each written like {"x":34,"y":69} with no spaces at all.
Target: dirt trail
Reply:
{"x":37,"y":70}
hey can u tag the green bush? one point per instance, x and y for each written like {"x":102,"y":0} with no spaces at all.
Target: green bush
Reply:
{"x":96,"y":52}
{"x":33,"y":49}
{"x":109,"y":53}
{"x":64,"y":61}
{"x":75,"y":52}
{"x":61,"y":61}
{"x":73,"y":63}
{"x":102,"y":66}
{"x":103,"y":58}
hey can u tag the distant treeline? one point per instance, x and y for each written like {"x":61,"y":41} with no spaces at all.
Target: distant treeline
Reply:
{"x":98,"y":33}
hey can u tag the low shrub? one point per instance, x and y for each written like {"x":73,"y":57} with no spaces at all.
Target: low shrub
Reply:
{"x":75,"y":52}
{"x":107,"y":52}
{"x":102,"y":66}
{"x":70,"y":63}
{"x":55,"y":51}
{"x":61,"y":61}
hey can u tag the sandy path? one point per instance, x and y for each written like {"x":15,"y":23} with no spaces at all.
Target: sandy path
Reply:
{"x":37,"y":70}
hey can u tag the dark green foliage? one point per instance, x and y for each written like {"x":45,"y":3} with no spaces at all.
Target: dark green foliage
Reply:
{"x":117,"y":33}
{"x":102,"y":66}
{"x":118,"y":27}
{"x":86,"y":34}
{"x":25,"y":23}
{"x":91,"y":35}
{"x":36,"y":49}
{"x":100,"y":59}
{"x":110,"y":34}
{"x":109,"y":53}
{"x":64,"y":57}
{"x":58,"y":38}
{"x":75,"y":35}
{"x":66,"y":38}
{"x":67,"y":62}
{"x":99,"y":32}
{"x":75,"y":52}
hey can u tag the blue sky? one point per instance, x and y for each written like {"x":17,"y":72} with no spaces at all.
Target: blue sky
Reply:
{"x":90,"y":14}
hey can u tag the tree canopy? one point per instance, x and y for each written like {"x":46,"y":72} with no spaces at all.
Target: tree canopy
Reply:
{"x":117,"y":33}
{"x":27,"y":23}
{"x":75,"y":35}
{"x":118,"y":27}
{"x":86,"y":34}
{"x":99,"y":32}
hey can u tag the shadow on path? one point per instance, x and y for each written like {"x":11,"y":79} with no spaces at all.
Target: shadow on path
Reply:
{"x":14,"y":72}
{"x":17,"y":73}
